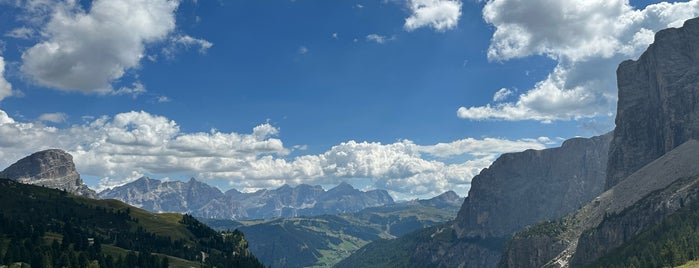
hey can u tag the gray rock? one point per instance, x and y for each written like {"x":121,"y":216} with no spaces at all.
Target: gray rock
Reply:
{"x":521,"y":189}
{"x":170,"y":196}
{"x":52,"y":168}
{"x":658,"y":106}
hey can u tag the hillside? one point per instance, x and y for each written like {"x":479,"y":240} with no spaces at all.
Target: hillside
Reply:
{"x":323,"y":241}
{"x":48,"y":227}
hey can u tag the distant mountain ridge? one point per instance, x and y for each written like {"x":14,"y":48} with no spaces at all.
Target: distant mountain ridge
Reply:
{"x":202,"y":200}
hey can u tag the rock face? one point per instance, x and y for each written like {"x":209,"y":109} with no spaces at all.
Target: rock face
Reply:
{"x":658,"y":106}
{"x":521,"y":189}
{"x":202,"y":200}
{"x":50,"y":168}
{"x":671,"y":169}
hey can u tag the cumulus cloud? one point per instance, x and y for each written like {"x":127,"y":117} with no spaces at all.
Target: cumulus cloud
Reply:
{"x":87,"y":50}
{"x":123,"y":147}
{"x":588,"y":39}
{"x":5,"y":86}
{"x":440,"y":15}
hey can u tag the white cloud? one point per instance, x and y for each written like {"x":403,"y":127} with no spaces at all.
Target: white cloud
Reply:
{"x":186,"y":42}
{"x":5,"y":86}
{"x":303,"y":50}
{"x":588,"y":39}
{"x":502,"y":94}
{"x":379,"y":39}
{"x":134,"y":91}
{"x":484,"y":147}
{"x":21,"y":33}
{"x":440,"y":15}
{"x":163,"y":99}
{"x":87,"y":50}
{"x":53,"y":117}
{"x":126,"y":146}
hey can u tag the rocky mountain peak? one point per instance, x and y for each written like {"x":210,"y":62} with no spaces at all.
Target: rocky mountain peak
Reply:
{"x":343,"y":189}
{"x":53,"y":168}
{"x":658,"y":107}
{"x":449,"y":198}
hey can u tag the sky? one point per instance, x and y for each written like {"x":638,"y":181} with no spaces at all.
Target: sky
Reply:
{"x":411,"y":96}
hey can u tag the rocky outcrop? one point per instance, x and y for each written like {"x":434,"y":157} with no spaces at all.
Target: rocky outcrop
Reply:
{"x":202,"y":200}
{"x":521,"y":189}
{"x":52,"y":168}
{"x":658,"y":106}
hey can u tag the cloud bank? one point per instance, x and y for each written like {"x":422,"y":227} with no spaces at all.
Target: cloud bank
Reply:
{"x":587,"y":39}
{"x":126,"y":146}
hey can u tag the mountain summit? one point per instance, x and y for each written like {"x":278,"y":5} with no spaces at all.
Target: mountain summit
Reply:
{"x":52,"y":168}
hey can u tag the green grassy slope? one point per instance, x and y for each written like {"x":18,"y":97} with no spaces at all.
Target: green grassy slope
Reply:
{"x":51,"y":228}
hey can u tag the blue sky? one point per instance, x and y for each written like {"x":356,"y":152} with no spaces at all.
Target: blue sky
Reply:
{"x":412,"y":96}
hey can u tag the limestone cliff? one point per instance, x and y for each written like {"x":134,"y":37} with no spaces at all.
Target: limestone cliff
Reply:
{"x":52,"y":168}
{"x":525,"y":188}
{"x":658,"y":106}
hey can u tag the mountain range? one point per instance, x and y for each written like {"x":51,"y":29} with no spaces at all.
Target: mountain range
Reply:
{"x":202,"y":200}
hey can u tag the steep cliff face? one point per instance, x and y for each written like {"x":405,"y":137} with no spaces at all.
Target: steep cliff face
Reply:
{"x":521,"y":189}
{"x":50,"y":168}
{"x":658,"y":106}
